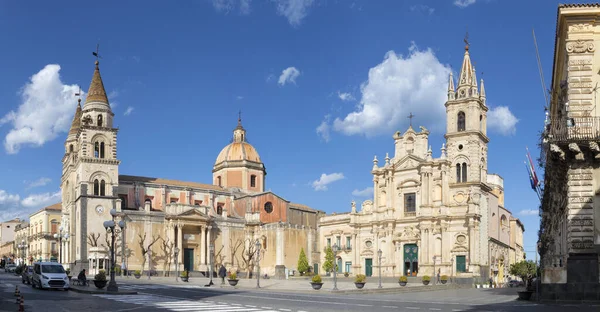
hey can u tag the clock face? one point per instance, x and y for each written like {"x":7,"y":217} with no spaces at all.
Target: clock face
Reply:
{"x":99,"y":209}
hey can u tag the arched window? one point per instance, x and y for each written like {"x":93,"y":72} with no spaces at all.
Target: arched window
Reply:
{"x":71,"y":148}
{"x":220,"y":210}
{"x":96,"y":150}
{"x":252,"y":181}
{"x":148,"y":202}
{"x":96,"y":187}
{"x":503,"y":221}
{"x":219,"y":181}
{"x":101,"y":149}
{"x":480,"y":122}
{"x":102,"y":188}
{"x":460,"y":125}
{"x":99,"y":120}
{"x":464,"y":172}
{"x":458,"y":176}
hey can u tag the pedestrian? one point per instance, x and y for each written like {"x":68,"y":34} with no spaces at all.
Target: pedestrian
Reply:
{"x":123,"y":269}
{"x":222,"y":273}
{"x":438,"y":275}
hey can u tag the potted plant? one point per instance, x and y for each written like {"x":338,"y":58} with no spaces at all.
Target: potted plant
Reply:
{"x":403,"y":280}
{"x":232,"y":279}
{"x":100,"y":279}
{"x":444,"y":279}
{"x":526,"y":270}
{"x":426,"y":279}
{"x":360,"y":280}
{"x":137,"y":273}
{"x":316,"y":282}
{"x":346,"y":274}
{"x":185,"y":276}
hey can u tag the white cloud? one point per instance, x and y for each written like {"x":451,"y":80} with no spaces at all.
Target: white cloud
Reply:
{"x":128,"y":111}
{"x":239,"y":97}
{"x":7,"y":198}
{"x":41,"y":200}
{"x":288,"y":75}
{"x":464,"y":3}
{"x":345,"y":96}
{"x":529,"y":212}
{"x":323,"y":129}
{"x":363,"y":193}
{"x":46,"y":110}
{"x":293,"y":10}
{"x":501,"y":120}
{"x":400,"y":85}
{"x":422,"y":8}
{"x":39,"y":182}
{"x":326,"y":179}
{"x":227,"y":6}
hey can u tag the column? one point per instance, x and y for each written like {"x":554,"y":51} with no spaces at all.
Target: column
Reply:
{"x":179,"y":229}
{"x":208,"y":242}
{"x":472,"y":240}
{"x":309,"y":247}
{"x":279,"y":246}
{"x":202,"y":245}
{"x":444,"y":186}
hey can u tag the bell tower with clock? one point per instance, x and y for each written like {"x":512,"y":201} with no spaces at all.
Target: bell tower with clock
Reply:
{"x":90,"y":171}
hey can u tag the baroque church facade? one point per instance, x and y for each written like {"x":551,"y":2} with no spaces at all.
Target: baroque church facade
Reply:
{"x":231,"y":218}
{"x":431,"y":214}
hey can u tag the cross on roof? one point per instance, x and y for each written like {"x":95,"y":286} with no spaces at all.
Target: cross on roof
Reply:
{"x":97,"y":53}
{"x":411,"y":116}
{"x":79,"y":94}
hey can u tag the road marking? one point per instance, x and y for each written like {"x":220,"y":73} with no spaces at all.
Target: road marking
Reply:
{"x":251,"y":306}
{"x":268,"y":308}
{"x":391,"y":307}
{"x":285,"y":310}
{"x":434,"y":309}
{"x":457,"y":310}
{"x":413,"y":308}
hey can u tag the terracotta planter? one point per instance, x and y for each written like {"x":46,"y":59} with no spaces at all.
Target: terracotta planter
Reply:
{"x":100,"y":284}
{"x":402,"y":283}
{"x":233,"y":282}
{"x":316,"y":286}
{"x":425,"y":282}
{"x":524,"y":295}
{"x":359,"y":285}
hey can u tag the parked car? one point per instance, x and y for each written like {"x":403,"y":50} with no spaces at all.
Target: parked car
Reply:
{"x":10,"y":268}
{"x":49,"y":275}
{"x":26,"y":275}
{"x":515,"y":283}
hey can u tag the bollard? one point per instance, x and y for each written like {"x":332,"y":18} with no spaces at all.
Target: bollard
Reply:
{"x":17,"y":292}
{"x":22,"y":305}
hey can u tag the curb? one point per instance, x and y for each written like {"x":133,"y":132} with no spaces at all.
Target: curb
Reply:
{"x":397,"y":289}
{"x":102,"y":292}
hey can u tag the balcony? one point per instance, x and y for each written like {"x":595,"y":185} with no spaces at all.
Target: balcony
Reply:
{"x":410,"y":213}
{"x":576,"y":129}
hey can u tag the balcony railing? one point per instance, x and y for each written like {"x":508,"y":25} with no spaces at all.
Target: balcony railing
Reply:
{"x":573,"y":129}
{"x":410,"y":213}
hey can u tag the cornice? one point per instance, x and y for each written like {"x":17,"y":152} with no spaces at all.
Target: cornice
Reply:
{"x":482,"y":136}
{"x":104,"y":161}
{"x":101,"y":110}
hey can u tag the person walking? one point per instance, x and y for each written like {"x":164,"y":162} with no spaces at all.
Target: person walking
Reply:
{"x":438,"y":275}
{"x":222,"y":274}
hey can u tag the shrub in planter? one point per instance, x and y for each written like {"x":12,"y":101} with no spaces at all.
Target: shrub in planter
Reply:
{"x":444,"y":279}
{"x":403,"y":280}
{"x":316,"y":282}
{"x":425,"y":279}
{"x":346,"y":274}
{"x":360,"y":280}
{"x":137,"y":273}
{"x":185,"y":275}
{"x":232,"y":279}
{"x":100,"y":279}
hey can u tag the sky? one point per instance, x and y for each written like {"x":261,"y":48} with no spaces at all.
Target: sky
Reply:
{"x":322,"y":86}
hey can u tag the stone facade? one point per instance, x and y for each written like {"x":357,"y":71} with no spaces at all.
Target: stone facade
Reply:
{"x":570,"y":229}
{"x":233,"y":215}
{"x":41,"y":243}
{"x":431,"y":214}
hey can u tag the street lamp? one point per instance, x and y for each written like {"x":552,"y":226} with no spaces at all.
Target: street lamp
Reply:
{"x":257,"y":264}
{"x":211,"y":248}
{"x":379,"y":252}
{"x":60,"y":238}
{"x":110,"y":226}
{"x":434,"y":276}
{"x":22,"y":248}
{"x":176,"y":265}
{"x":335,"y":250}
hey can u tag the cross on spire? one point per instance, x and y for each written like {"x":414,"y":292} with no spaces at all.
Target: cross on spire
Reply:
{"x":466,"y":40}
{"x":411,"y":116}
{"x":78,"y":94}
{"x":240,"y":117}
{"x":97,"y":53}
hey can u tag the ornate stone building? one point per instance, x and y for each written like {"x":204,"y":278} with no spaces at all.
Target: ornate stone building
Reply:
{"x":163,"y":215}
{"x":569,"y":241}
{"x":429,"y":213}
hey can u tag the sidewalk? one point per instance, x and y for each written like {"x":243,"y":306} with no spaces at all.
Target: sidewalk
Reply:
{"x":344,"y":285}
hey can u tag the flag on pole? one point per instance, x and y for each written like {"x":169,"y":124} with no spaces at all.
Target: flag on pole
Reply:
{"x":533,"y":184}
{"x":534,"y":177}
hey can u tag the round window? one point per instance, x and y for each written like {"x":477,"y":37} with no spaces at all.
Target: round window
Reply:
{"x":460,"y":146}
{"x":368,"y":244}
{"x":269,"y":207}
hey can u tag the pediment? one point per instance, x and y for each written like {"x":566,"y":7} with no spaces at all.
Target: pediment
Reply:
{"x":192,"y":214}
{"x":408,"y":162}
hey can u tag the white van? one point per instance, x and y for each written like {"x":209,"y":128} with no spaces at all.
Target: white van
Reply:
{"x":49,"y":275}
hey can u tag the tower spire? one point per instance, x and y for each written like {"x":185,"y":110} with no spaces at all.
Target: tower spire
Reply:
{"x":239,"y":133}
{"x":96,"y":93}
{"x":451,"y":87}
{"x":76,"y":123}
{"x":482,"y":92}
{"x":467,"y":86}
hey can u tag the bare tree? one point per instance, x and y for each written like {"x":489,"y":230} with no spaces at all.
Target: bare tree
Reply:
{"x":167,"y":249}
{"x":219,"y":258}
{"x":249,"y":254}
{"x":235,"y":246}
{"x":146,"y":249}
{"x":92,"y":239}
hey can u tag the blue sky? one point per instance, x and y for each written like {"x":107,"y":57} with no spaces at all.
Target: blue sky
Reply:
{"x":304,"y":73}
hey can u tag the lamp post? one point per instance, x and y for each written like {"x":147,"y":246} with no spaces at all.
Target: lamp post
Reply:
{"x":379,"y":252}
{"x":110,"y":226}
{"x":211,"y":247}
{"x":60,"y":237}
{"x":335,"y":250}
{"x":22,"y":248}
{"x":176,"y":264}
{"x":433,"y":270}
{"x":257,"y":264}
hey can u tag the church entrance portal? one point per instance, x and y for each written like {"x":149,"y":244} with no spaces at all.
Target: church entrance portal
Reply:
{"x":411,"y":259}
{"x":188,"y":259}
{"x":369,"y":267}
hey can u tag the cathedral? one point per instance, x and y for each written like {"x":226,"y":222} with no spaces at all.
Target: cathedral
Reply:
{"x":431,"y":215}
{"x":172,"y":225}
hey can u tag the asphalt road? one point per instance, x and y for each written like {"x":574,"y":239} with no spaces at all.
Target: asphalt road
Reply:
{"x":153,"y":297}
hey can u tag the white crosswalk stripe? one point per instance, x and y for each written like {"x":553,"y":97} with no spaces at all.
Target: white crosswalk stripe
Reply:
{"x":182,"y":305}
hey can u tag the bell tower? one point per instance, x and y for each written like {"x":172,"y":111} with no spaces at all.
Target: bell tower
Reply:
{"x":466,"y":128}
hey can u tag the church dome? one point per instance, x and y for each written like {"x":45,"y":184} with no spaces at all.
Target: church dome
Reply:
{"x":239,"y":150}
